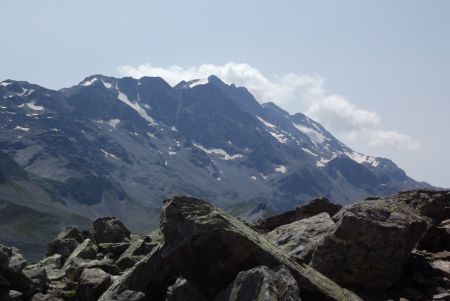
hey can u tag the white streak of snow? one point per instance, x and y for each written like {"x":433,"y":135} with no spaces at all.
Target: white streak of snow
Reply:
{"x":280,"y":168}
{"x":21,"y":128}
{"x":109,"y":155}
{"x":135,"y":106}
{"x":33,"y":106}
{"x":107,"y":85}
{"x":89,"y":82}
{"x":217,"y":151}
{"x":309,"y":152}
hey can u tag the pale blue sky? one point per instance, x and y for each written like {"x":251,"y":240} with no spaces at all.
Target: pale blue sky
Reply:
{"x":391,"y":58}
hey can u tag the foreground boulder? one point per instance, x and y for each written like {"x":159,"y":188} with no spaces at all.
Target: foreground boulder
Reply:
{"x":370,"y":245}
{"x":300,"y":238}
{"x":310,"y":209}
{"x":209,"y":248}
{"x":262,"y":284}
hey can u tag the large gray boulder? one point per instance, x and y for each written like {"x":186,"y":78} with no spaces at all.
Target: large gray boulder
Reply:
{"x":110,"y":229}
{"x":93,"y":282}
{"x":262,"y":284}
{"x":370,"y":245}
{"x":307,"y":210}
{"x":209,"y":248}
{"x":300,"y":238}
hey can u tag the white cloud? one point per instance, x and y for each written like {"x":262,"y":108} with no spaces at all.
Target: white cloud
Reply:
{"x":294,"y":93}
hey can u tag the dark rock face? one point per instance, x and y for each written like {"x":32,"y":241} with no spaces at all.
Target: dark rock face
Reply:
{"x":110,"y":230}
{"x":263,"y":284}
{"x":370,"y":245}
{"x":300,"y":238}
{"x":312,"y":208}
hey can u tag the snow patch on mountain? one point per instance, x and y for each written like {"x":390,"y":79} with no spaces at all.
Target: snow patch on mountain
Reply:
{"x":114,"y":122}
{"x":135,"y":106}
{"x":109,"y":155}
{"x":280,"y":168}
{"x":4,"y":84}
{"x":32,"y":105}
{"x":309,"y":152}
{"x":106,"y":84}
{"x":360,"y":158}
{"x":218,"y":151}
{"x":322,"y":162}
{"x":89,"y":82}
{"x":267,"y":124}
{"x":21,"y":128}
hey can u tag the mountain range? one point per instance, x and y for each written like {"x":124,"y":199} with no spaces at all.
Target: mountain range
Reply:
{"x":119,"y":146}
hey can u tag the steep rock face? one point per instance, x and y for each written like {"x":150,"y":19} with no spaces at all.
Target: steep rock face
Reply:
{"x":309,"y":209}
{"x":299,"y":239}
{"x":370,"y":244}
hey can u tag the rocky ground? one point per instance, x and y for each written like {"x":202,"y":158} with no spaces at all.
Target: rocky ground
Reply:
{"x":392,"y":248}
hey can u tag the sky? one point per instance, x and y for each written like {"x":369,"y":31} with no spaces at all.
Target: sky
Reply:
{"x":374,"y":73}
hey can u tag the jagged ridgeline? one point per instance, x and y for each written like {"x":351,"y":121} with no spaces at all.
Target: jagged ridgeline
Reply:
{"x":110,"y":146}
{"x":392,"y":248}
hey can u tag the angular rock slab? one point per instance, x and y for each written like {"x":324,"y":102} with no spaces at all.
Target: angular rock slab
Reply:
{"x":370,"y":245}
{"x":300,"y":238}
{"x":209,"y":248}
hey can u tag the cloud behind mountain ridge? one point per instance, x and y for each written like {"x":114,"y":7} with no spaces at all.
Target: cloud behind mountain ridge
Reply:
{"x":295,"y":93}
